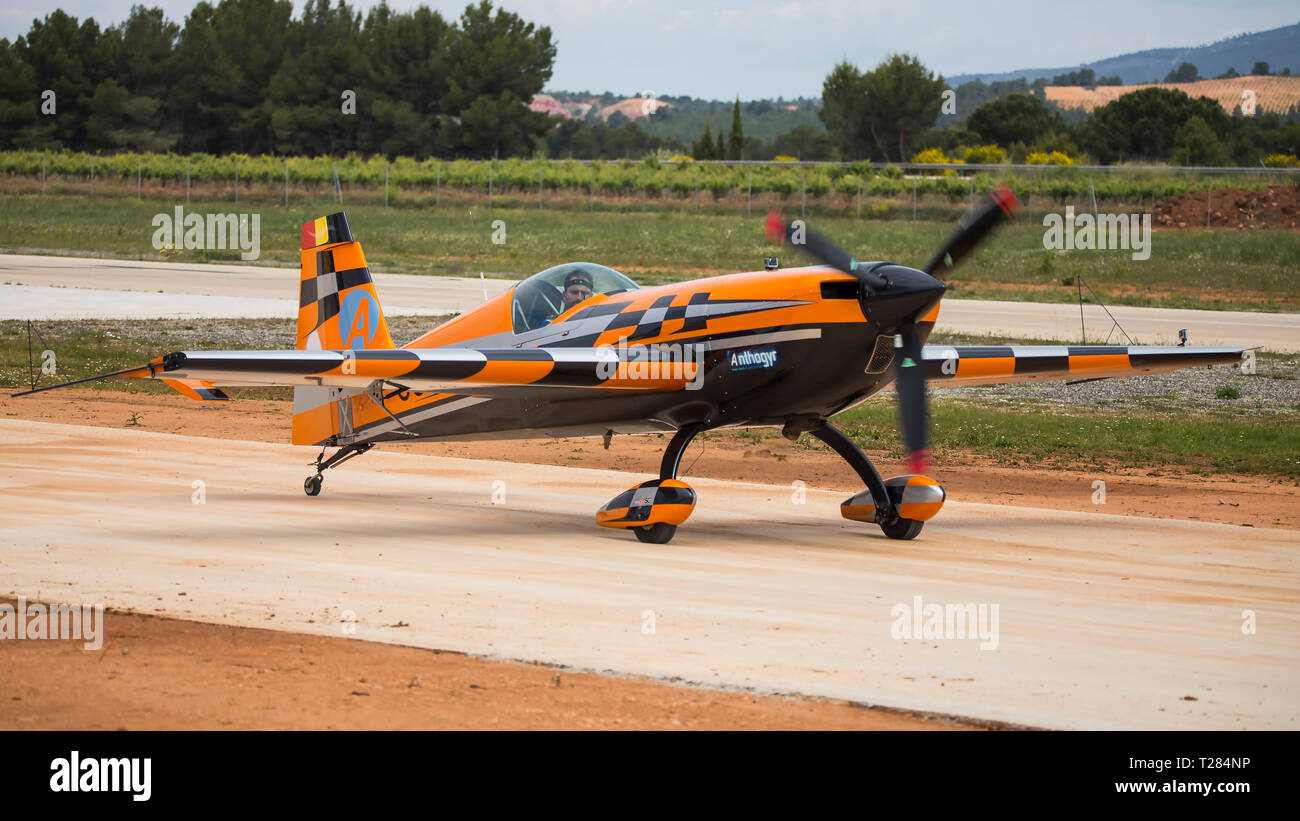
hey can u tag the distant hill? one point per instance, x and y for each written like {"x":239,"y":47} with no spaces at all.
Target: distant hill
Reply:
{"x":1280,"y":48}
{"x":684,"y":118}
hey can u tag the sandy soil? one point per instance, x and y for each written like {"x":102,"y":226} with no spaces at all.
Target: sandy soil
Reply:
{"x":1251,"y":501}
{"x":158,"y":673}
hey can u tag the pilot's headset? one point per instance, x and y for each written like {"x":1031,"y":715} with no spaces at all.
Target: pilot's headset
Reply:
{"x":579,"y":277}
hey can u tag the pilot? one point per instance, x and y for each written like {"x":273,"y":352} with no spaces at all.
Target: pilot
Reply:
{"x":577,"y":287}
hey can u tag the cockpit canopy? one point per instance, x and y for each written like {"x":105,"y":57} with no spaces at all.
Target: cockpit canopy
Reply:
{"x":542,"y":297}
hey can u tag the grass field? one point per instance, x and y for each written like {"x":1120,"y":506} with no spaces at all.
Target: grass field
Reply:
{"x":1226,"y":438}
{"x":1192,"y":268}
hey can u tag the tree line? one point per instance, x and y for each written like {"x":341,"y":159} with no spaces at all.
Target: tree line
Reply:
{"x":894,"y":111}
{"x":247,"y":76}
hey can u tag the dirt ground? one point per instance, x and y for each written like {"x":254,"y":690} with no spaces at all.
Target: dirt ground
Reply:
{"x":1251,"y":501}
{"x":1277,"y":206}
{"x":166,"y":673}
{"x":156,"y":673}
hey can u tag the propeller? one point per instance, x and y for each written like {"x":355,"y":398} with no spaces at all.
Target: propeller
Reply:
{"x":995,"y":208}
{"x":799,"y":234}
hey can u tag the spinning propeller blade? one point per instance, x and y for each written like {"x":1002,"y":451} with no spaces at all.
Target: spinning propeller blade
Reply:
{"x":799,"y":234}
{"x":995,"y":208}
{"x":909,"y":384}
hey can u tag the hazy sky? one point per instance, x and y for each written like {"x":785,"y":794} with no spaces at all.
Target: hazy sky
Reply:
{"x":786,"y":47}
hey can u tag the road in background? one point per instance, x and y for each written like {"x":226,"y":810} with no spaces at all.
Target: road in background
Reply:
{"x":41,"y":287}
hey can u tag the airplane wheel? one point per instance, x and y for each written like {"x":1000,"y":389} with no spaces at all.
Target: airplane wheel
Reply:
{"x":312,"y":485}
{"x":903,"y":529}
{"x":660,"y":533}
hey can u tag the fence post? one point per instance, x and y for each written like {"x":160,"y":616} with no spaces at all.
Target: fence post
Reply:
{"x":593,"y":187}
{"x":139,"y":186}
{"x":43,"y":173}
{"x":913,"y":199}
{"x":1031,"y":197}
{"x":489,"y":185}
{"x":749,"y":192}
{"x":697,"y":189}
{"x":92,"y":176}
{"x":1208,"y":191}
{"x":437,"y":187}
{"x":541,"y":169}
{"x":859,"y":199}
{"x":387,"y":166}
{"x":187,"y":179}
{"x":236,"y":179}
{"x":803,"y":193}
{"x":643,"y":191}
{"x":972,"y":193}
{"x":286,"y":183}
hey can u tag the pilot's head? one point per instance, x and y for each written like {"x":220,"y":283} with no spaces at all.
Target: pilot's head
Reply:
{"x":577,"y":287}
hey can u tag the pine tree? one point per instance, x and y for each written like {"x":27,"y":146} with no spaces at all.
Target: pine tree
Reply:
{"x":736,"y":147}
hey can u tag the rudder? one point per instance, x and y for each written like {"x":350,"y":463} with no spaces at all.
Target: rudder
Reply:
{"x":338,"y":308}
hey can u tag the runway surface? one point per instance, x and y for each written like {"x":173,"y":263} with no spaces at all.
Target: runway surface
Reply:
{"x":40,"y":287}
{"x":1103,"y":621}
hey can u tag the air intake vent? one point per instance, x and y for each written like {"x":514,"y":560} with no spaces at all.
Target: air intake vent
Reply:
{"x":883,"y":355}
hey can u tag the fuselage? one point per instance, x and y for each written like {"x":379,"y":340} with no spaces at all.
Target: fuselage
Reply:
{"x":772,"y":345}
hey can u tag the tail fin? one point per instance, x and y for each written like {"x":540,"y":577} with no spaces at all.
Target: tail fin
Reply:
{"x":338,"y":308}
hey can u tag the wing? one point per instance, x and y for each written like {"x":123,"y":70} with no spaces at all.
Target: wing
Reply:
{"x":992,"y":364}
{"x":518,"y":372}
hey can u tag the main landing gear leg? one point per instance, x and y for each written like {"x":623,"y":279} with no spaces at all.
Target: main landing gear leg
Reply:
{"x":673,"y":456}
{"x":653,"y":510}
{"x":663,"y":532}
{"x":312,"y":485}
{"x":886,"y":514}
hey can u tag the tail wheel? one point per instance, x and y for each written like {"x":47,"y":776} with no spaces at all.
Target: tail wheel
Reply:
{"x":902,"y":528}
{"x":659,"y":533}
{"x":311,"y":486}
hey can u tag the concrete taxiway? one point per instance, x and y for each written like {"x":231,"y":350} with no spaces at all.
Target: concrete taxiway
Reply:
{"x":1102,"y":621}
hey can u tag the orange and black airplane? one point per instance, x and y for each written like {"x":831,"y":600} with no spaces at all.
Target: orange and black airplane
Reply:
{"x":581,"y":350}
